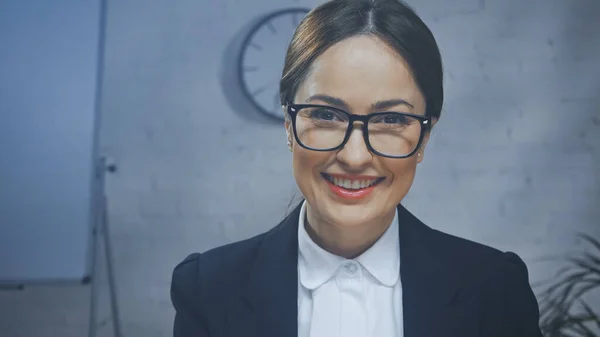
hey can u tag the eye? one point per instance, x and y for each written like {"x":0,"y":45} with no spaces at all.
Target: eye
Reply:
{"x":392,"y":119}
{"x":322,"y":114}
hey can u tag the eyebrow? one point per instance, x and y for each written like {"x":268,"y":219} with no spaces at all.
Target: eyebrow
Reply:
{"x":338,"y":102}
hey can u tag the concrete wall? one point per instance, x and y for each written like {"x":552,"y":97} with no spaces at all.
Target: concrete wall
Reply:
{"x":513,"y":163}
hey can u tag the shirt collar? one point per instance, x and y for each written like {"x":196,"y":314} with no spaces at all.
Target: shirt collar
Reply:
{"x":316,"y":266}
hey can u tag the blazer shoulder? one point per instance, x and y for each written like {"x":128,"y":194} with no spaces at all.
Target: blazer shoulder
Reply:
{"x":465,"y":249}
{"x":499,"y":277}
{"x":217,"y":271}
{"x":468,"y":256}
{"x":203,"y":284}
{"x":450,"y":250}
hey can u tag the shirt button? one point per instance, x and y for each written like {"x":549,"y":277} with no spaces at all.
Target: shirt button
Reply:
{"x":351,"y":268}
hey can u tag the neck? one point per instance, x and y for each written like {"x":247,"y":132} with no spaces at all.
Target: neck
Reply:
{"x":345,"y":241}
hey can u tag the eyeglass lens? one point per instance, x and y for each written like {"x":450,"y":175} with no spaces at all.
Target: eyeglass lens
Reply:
{"x":391,"y":134}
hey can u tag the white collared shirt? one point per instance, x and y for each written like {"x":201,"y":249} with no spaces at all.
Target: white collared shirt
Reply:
{"x":338,"y":297}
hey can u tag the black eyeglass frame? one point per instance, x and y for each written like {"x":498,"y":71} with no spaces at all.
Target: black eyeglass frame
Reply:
{"x":425,"y":121}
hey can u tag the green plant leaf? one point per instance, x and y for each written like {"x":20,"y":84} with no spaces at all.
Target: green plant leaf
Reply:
{"x":590,"y":240}
{"x":594,"y":259}
{"x":585,"y":287}
{"x":580,"y":275}
{"x":594,"y":317}
{"x":566,"y":280}
{"x":585,"y":264}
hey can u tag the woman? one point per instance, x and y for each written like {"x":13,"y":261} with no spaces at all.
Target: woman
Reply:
{"x":362,"y":88}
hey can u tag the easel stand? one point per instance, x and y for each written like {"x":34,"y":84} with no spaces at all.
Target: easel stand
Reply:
{"x":101,"y":232}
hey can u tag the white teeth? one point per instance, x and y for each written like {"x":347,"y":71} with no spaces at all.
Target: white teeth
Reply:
{"x":352,"y":184}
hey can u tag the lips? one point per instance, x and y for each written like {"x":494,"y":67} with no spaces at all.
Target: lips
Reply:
{"x":351,"y":186}
{"x":352,"y":182}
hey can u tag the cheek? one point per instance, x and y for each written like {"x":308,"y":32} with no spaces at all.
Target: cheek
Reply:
{"x":303,"y":163}
{"x":403,"y":172}
{"x":307,"y":164}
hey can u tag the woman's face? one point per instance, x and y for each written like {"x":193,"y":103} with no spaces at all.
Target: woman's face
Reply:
{"x":358,"y":73}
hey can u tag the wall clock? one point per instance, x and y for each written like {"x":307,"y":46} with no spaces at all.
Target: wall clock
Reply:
{"x":261,"y":59}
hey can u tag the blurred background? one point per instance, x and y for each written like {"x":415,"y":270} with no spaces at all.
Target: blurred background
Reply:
{"x":186,"y":115}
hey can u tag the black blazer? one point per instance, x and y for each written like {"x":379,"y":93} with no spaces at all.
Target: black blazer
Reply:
{"x":451,"y":287}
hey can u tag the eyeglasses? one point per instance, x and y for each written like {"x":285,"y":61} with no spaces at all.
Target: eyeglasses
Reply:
{"x":387,"y":134}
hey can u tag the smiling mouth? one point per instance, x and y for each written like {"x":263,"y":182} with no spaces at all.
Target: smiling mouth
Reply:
{"x":352,"y":184}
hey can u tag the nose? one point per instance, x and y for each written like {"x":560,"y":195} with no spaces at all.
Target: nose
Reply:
{"x":355,"y":153}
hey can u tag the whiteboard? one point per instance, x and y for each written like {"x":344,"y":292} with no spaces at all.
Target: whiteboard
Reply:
{"x":49,"y":57}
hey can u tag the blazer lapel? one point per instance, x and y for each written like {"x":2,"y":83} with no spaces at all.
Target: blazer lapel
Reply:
{"x":273,"y":286}
{"x":427,"y":286}
{"x":427,"y":289}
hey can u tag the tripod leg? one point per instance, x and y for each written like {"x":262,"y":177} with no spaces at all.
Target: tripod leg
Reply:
{"x":93,"y":284}
{"x":109,"y":268}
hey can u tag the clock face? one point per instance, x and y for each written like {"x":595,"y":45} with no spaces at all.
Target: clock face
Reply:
{"x":262,"y":57}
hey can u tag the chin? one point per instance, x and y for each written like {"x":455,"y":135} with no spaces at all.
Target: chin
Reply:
{"x":351,"y":214}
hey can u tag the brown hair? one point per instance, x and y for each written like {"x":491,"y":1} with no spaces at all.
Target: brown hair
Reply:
{"x":393,"y":21}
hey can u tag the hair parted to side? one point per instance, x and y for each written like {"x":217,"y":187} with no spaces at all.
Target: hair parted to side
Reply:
{"x":392,"y":21}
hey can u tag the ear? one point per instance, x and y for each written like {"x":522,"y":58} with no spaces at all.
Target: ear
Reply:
{"x":421,"y":151}
{"x":287,"y":124}
{"x":288,"y":128}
